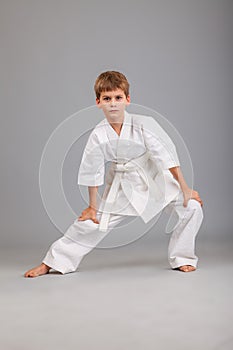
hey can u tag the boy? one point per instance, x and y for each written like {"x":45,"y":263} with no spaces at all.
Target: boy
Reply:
{"x":144,"y":178}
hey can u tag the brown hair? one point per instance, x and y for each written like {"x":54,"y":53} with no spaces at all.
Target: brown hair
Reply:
{"x":109,"y":81}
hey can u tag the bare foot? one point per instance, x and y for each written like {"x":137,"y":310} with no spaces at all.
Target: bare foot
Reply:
{"x":42,"y":269}
{"x":187,"y":268}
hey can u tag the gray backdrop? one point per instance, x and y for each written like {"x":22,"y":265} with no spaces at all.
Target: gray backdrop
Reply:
{"x":177,"y":56}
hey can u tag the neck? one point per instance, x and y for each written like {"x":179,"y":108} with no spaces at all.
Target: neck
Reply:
{"x":117,"y":127}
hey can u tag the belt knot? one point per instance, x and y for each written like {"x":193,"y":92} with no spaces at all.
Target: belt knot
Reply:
{"x":120,"y":167}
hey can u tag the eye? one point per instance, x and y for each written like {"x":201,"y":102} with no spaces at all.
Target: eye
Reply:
{"x":106,"y":98}
{"x":119,"y":97}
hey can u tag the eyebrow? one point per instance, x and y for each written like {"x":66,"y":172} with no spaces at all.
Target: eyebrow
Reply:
{"x":115,"y":95}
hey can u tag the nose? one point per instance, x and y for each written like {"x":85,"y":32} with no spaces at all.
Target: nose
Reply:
{"x":113,"y":102}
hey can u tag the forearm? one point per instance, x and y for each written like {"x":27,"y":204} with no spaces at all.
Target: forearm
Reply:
{"x":177,"y":173}
{"x":93,"y":196}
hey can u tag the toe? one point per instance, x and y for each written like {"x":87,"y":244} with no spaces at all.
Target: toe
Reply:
{"x":187,"y":268}
{"x":27,"y":274}
{"x":183,"y":268}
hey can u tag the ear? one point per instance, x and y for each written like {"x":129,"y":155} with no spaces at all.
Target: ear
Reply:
{"x":128,"y":99}
{"x":97,"y":102}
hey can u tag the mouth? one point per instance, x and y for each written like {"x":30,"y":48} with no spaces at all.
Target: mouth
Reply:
{"x":114,"y":110}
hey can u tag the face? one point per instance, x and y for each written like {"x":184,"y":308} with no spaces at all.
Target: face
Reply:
{"x":113,"y":104}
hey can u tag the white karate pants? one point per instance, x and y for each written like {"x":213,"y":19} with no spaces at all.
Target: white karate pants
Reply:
{"x":65,"y":254}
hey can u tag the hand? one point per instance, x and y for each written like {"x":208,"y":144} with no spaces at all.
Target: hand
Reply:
{"x":191,"y":194}
{"x":88,"y":213}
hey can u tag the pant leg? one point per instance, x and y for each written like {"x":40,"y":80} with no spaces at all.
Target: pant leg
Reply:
{"x":181,"y":248}
{"x":65,"y":254}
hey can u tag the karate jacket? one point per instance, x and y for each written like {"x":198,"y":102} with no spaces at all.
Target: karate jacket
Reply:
{"x":148,"y":186}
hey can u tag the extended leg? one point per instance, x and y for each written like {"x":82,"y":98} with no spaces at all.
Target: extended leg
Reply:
{"x":65,"y":254}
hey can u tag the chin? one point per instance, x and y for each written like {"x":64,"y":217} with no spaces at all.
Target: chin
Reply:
{"x":113,"y":115}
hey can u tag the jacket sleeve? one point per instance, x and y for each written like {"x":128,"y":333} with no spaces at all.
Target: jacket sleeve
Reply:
{"x":160,"y":146}
{"x":92,"y":169}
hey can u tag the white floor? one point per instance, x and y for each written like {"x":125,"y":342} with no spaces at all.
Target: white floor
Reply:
{"x":123,"y":298}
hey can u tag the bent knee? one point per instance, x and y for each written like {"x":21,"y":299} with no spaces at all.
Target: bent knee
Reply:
{"x":84,"y":226}
{"x":193,"y":204}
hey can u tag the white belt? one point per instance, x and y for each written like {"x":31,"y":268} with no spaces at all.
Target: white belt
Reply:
{"x":120,"y":168}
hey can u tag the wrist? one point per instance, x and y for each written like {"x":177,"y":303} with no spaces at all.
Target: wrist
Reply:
{"x":92,"y":206}
{"x":185,"y":189}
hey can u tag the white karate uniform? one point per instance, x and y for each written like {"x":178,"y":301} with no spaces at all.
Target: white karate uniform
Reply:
{"x":138,"y":183}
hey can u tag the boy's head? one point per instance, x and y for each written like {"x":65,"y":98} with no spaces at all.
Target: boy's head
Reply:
{"x":110,"y":81}
{"x":112,"y":94}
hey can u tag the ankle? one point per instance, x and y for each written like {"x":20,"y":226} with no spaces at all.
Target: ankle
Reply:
{"x":48,"y":267}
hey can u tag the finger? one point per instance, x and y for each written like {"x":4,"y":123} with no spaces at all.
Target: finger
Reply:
{"x":200,"y":201}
